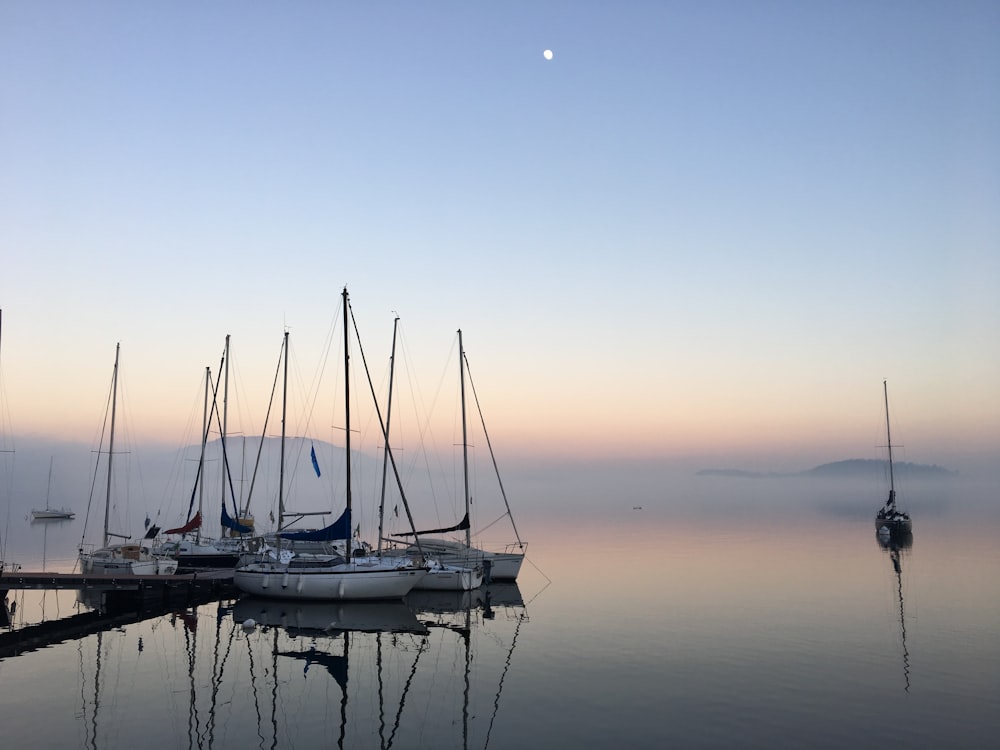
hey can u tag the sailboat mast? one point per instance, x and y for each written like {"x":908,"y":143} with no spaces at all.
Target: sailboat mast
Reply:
{"x":347,"y":424}
{"x":465,"y":441}
{"x":48,"y":487}
{"x":111,"y":443}
{"x":281,"y":472}
{"x":225,"y":414}
{"x":888,"y":435}
{"x":388,"y":416}
{"x":204,"y":442}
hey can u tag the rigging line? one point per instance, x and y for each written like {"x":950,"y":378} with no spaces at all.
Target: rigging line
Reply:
{"x":311,"y":394}
{"x":482,"y":419}
{"x":549,"y":580}
{"x":422,"y":418}
{"x":128,"y":439}
{"x":97,"y":465}
{"x":385,"y":436}
{"x":222,"y":440}
{"x":263,"y":436}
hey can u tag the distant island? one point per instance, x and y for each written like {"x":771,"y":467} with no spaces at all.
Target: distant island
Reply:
{"x":852,"y":467}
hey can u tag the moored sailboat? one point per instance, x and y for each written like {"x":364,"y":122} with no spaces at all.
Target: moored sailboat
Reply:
{"x":48,"y":512}
{"x":460,"y":552}
{"x":127,"y":558}
{"x":194,"y":550}
{"x":890,"y":519}
{"x":317,"y":575}
{"x":441,"y":576}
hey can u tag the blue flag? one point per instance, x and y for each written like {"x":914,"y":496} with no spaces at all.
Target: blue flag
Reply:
{"x":312,"y":453}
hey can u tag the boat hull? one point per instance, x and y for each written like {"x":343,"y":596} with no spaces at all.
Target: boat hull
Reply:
{"x":504,"y":566}
{"x":451,"y":578}
{"x":348,"y":582}
{"x":53,"y":515}
{"x":894,"y":526}
{"x":126,"y":560}
{"x":188,"y":563}
{"x":497,"y":566}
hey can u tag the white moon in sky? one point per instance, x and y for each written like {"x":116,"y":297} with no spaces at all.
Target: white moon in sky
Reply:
{"x":547,"y":54}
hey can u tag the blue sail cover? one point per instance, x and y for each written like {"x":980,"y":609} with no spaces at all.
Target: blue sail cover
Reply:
{"x":339,"y":529}
{"x":230,"y":523}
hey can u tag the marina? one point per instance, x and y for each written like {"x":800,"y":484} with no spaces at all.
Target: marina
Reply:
{"x":740,"y":624}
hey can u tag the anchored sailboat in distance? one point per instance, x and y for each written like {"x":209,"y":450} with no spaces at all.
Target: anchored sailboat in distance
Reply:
{"x":310,"y":575}
{"x":48,"y":512}
{"x":890,"y":519}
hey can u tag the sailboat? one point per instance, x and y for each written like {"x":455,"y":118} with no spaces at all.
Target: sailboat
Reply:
{"x":890,"y":520}
{"x":48,"y":512}
{"x":317,"y":575}
{"x":497,"y":565}
{"x":441,"y":576}
{"x":193,"y":551}
{"x":126,"y":558}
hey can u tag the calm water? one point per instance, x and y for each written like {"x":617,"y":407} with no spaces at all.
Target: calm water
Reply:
{"x":721,"y":613}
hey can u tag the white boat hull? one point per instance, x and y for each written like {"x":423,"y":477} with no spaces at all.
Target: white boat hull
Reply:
{"x":347,"y":581}
{"x":125,"y":560}
{"x":497,"y":566}
{"x":451,"y":578}
{"x":39,"y":515}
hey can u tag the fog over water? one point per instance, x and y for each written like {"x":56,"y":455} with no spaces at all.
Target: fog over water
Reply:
{"x":158,"y":481}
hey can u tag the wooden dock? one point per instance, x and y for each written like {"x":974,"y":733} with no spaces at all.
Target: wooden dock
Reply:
{"x":209,"y":578}
{"x":113,"y":601}
{"x":126,"y":592}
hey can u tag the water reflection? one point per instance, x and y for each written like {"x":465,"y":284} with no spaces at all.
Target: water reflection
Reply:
{"x":897,"y":545}
{"x":427,"y":671}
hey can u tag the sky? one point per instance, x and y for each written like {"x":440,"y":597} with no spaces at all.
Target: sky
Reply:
{"x":702,"y":230}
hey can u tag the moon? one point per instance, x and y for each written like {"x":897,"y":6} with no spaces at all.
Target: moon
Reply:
{"x":547,"y":54}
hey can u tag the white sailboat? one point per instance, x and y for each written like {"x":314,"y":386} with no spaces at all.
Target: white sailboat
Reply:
{"x":319,"y":576}
{"x":497,"y":565}
{"x":194,"y":550}
{"x":126,"y":558}
{"x":441,"y":576}
{"x":890,"y":520}
{"x":48,"y":512}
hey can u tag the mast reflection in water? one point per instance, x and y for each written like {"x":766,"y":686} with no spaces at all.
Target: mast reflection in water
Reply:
{"x":896,"y":545}
{"x":425,"y":672}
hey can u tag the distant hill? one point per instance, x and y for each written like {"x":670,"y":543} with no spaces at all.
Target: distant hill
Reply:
{"x":851,"y":468}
